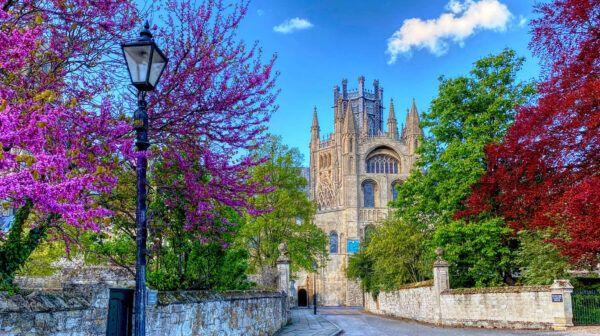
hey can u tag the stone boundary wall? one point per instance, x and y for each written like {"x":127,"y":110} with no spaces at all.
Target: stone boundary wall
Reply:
{"x":415,"y":303}
{"x":82,"y":309}
{"x":514,"y":307}
{"x":501,"y":307}
{"x":527,"y":307}
{"x":110,"y":275}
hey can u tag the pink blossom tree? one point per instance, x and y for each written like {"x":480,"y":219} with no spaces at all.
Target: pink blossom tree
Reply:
{"x":211,"y":108}
{"x":58,"y":133}
{"x":64,"y":125}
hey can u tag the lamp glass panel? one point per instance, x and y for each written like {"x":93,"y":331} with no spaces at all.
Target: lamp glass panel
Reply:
{"x":138,"y":58}
{"x":158,"y":63}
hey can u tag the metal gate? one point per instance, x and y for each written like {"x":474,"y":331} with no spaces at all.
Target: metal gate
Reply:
{"x":120,"y":311}
{"x":586,"y":307}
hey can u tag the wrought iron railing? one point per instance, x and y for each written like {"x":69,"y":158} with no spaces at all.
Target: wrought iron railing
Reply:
{"x":586,"y":307}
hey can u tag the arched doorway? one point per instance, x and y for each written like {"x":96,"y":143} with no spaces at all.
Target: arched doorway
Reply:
{"x":302,"y":298}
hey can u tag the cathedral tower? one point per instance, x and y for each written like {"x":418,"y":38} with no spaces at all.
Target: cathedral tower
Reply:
{"x":353,"y":174}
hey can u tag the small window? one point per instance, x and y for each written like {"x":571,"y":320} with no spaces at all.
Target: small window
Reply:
{"x":369,"y":229}
{"x":368,"y":194}
{"x":333,"y":242}
{"x":395,"y":186}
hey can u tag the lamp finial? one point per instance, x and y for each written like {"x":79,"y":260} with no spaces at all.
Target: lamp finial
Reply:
{"x":146,"y":33}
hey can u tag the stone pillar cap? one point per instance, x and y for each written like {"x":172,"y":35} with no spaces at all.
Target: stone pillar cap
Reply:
{"x":283,"y":254}
{"x":561,"y":284}
{"x":439,"y":260}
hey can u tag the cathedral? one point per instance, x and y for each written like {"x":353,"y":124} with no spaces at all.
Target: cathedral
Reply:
{"x":353,"y":173}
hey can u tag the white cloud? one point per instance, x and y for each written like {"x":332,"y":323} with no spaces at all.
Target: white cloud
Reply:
{"x":292,"y":25}
{"x":260,"y":12}
{"x":461,"y":20}
{"x":522,"y":21}
{"x":455,"y":6}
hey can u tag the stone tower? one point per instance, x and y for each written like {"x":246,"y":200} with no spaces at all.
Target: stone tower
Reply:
{"x":353,"y":172}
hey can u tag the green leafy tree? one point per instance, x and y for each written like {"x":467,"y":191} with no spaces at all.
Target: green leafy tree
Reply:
{"x":479,"y":253}
{"x":468,"y":113}
{"x":389,"y":261}
{"x":287,"y":212}
{"x":539,"y":260}
{"x":178,"y":258}
{"x":181,"y":258}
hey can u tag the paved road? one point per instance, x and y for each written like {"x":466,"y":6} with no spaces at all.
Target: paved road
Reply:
{"x":355,"y":323}
{"x":304,"y":323}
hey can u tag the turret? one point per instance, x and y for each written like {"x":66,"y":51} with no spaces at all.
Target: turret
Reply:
{"x":413,"y":132}
{"x":364,"y":130}
{"x":349,"y":139}
{"x":349,"y":127}
{"x":378,"y":90}
{"x":361,"y":85}
{"x":378,"y":108}
{"x":314,"y":129}
{"x":344,"y":88}
{"x":338,"y":112}
{"x":392,"y":125}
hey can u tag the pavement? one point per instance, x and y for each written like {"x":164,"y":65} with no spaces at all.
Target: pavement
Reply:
{"x":306,"y":324}
{"x":355,"y":322}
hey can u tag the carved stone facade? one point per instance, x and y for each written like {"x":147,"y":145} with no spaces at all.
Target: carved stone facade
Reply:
{"x":352,"y":174}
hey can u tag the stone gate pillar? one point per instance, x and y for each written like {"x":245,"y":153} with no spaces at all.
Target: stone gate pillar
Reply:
{"x":441,"y":282}
{"x":283,"y":271}
{"x":562,"y":305}
{"x":441,"y":279}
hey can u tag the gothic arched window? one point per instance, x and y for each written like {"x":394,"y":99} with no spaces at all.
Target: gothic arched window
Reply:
{"x":369,"y":229}
{"x":382,"y":163}
{"x":368,"y":188}
{"x":395,"y":186}
{"x":333,"y":242}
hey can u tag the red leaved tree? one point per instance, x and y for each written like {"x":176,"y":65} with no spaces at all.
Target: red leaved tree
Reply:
{"x":546,"y":172}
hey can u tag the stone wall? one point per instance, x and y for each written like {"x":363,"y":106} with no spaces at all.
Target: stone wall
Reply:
{"x":108,"y":275}
{"x":230,"y":313}
{"x":414,"y":302}
{"x":520,"y":307}
{"x":528,"y":307}
{"x":82,"y":310}
{"x":72,"y":311}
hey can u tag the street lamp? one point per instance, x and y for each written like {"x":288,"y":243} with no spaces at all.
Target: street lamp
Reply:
{"x":145,"y":63}
{"x":314,"y":265}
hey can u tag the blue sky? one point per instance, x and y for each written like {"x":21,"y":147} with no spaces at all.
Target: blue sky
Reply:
{"x":345,"y":39}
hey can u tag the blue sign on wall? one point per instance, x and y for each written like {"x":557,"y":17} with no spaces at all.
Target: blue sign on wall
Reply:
{"x":353,"y":246}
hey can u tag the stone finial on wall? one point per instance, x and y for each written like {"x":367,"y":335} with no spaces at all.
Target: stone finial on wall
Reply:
{"x":283,"y":253}
{"x":561,"y":303}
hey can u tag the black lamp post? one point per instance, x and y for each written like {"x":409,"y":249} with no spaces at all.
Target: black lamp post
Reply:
{"x":145,"y":63}
{"x":314,"y":265}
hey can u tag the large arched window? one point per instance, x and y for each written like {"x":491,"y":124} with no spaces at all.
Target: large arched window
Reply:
{"x":333,"y":242}
{"x":382,"y":163}
{"x":368,"y":188}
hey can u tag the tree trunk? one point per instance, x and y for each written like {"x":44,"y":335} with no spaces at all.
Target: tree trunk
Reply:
{"x":18,"y":247}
